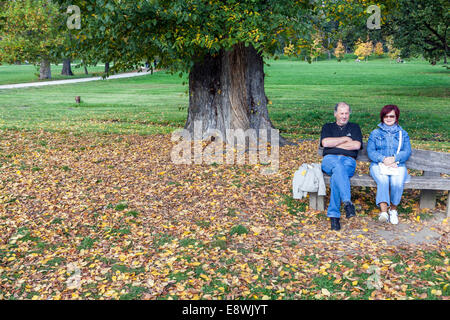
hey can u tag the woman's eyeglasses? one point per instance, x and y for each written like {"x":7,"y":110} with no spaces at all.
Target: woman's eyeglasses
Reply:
{"x":389,"y":116}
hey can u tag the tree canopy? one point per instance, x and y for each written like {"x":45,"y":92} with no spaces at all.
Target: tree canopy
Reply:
{"x":30,"y":31}
{"x":420,"y":27}
{"x":181,"y":32}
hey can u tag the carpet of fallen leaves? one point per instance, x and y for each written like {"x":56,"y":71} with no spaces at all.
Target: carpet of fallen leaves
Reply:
{"x":111,"y":217}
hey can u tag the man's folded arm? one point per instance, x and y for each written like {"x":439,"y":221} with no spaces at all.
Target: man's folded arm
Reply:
{"x":351,"y":145}
{"x":335,"y":142}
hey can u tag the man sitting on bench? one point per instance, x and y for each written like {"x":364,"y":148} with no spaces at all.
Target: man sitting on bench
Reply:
{"x":341,"y":141}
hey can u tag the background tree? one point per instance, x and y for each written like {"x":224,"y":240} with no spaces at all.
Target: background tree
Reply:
{"x":67,"y":69}
{"x":316,"y":48}
{"x":350,"y":20}
{"x":30,"y":31}
{"x":420,"y":27}
{"x":339,"y":52}
{"x":363,"y":49}
{"x":378,"y":50}
{"x":393,"y":52}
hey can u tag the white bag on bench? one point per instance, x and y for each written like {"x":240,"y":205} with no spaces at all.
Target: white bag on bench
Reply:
{"x":390,"y":171}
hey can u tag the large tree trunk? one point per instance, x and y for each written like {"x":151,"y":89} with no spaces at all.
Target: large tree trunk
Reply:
{"x":45,"y":69}
{"x":226,"y":91}
{"x":66,"y":70}
{"x":106,"y":67}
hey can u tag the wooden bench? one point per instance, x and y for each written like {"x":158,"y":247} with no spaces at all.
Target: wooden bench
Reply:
{"x":432,"y":163}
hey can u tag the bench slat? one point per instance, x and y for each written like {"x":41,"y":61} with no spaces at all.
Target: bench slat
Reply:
{"x":428,"y":183}
{"x":429,"y":161}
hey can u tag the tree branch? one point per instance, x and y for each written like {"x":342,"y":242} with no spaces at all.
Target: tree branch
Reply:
{"x":434,"y":32}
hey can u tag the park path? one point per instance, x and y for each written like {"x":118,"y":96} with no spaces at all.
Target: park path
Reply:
{"x":58,"y":82}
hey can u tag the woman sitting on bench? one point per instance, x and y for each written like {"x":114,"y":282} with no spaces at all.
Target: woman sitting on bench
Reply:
{"x":389,"y":148}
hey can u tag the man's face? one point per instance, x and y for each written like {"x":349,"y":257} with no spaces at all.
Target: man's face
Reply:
{"x":342,"y":115}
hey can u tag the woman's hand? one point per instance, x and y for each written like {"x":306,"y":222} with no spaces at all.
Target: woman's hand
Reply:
{"x":389,"y":161}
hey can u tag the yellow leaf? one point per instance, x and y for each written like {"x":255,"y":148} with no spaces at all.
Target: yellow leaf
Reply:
{"x":204,"y":276}
{"x":325,"y":292}
{"x":436,"y":292}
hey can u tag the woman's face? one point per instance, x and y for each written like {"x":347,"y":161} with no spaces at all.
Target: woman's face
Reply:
{"x":389,"y":119}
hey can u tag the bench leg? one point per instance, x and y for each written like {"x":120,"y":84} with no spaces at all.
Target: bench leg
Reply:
{"x":448,"y":205}
{"x":427,"y":199}
{"x":320,"y":203}
{"x":316,"y":202}
{"x":313,"y":200}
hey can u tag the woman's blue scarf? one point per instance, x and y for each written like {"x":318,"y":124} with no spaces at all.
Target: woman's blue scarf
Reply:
{"x":391,"y":129}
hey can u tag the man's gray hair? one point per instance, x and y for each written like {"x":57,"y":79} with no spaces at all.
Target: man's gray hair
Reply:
{"x":342,"y":104}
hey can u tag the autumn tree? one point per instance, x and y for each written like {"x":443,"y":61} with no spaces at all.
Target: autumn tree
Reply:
{"x":30,"y":30}
{"x":393,"y":52}
{"x":378,"y":50}
{"x":363,"y":49}
{"x":316,"y":48}
{"x":339,"y":52}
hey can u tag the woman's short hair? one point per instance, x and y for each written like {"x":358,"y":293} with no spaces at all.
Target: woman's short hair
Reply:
{"x":388,"y":108}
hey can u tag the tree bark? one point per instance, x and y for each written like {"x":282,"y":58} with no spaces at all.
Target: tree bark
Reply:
{"x":45,"y":69}
{"x":226,"y":91}
{"x":66,"y":70}
{"x":106,"y":67}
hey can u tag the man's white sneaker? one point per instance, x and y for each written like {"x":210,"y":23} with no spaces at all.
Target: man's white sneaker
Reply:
{"x":393,"y":216}
{"x":383,"y":217}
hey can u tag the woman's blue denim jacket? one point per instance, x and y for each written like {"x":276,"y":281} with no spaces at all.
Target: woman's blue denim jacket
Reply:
{"x":383,"y":143}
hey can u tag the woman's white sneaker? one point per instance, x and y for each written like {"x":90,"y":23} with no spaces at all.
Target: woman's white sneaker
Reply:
{"x":393,"y":216}
{"x":383,"y":217}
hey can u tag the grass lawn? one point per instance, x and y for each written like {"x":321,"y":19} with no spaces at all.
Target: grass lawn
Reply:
{"x":85,"y":215}
{"x":302,"y":96}
{"x":10,"y":74}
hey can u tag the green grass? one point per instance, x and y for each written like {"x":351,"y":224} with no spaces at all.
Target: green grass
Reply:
{"x":306,"y":93}
{"x":302,"y":96}
{"x":10,"y":74}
